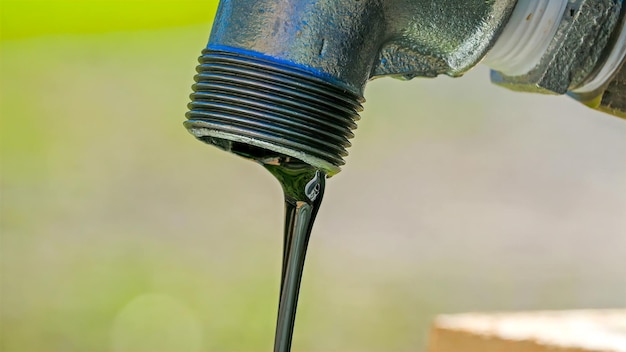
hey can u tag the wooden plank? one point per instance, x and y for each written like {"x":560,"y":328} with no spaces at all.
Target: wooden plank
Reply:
{"x":554,"y":331}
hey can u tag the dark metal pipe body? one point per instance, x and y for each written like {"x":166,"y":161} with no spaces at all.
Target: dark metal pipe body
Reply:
{"x":287,"y":76}
{"x":354,"y":41}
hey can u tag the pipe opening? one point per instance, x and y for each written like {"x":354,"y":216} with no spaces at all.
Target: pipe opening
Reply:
{"x":254,"y":107}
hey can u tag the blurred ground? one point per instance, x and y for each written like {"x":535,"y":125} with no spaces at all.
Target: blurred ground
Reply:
{"x":122,"y":233}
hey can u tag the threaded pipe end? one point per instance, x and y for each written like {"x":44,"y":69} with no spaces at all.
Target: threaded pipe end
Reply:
{"x":256,"y":107}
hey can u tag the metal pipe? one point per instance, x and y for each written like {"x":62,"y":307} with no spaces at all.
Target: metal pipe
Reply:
{"x":287,"y":77}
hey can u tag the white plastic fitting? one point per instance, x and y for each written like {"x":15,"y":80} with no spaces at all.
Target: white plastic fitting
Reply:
{"x":526,"y":37}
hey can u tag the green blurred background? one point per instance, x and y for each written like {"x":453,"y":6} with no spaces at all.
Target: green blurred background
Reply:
{"x":120,"y":232}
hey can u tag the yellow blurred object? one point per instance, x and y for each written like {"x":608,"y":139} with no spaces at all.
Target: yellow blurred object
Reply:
{"x":29,"y":18}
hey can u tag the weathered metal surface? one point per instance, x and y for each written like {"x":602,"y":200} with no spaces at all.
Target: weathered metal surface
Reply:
{"x":608,"y":96}
{"x":426,"y":38}
{"x":338,"y":40}
{"x":574,"y":52}
{"x":354,"y":41}
{"x":287,"y":76}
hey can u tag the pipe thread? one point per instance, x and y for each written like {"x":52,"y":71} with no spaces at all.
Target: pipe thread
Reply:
{"x":239,"y":98}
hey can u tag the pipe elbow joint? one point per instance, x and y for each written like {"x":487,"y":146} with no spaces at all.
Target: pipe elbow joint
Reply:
{"x":287,"y":77}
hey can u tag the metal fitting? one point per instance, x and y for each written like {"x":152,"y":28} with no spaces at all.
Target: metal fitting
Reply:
{"x":605,"y":88}
{"x":288,"y":76}
{"x":581,"y":36}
